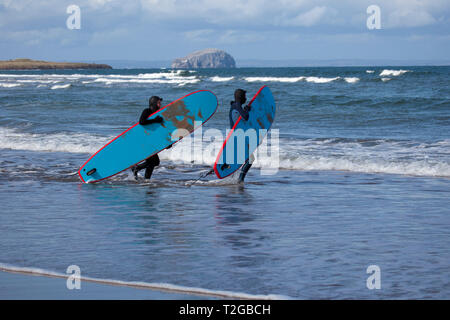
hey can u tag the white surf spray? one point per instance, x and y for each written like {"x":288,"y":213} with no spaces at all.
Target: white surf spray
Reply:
{"x":395,"y":73}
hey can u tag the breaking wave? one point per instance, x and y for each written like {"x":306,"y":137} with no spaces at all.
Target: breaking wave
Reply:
{"x":62,"y":86}
{"x":369,"y":156}
{"x":387,"y":72}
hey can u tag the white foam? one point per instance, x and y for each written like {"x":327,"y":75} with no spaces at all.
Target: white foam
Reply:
{"x":291,"y":79}
{"x":62,"y":86}
{"x":9,"y":85}
{"x":413,"y":168}
{"x":221,"y":79}
{"x":370,"y":71}
{"x":385,"y":79}
{"x":274,"y":79}
{"x":376,"y":156}
{"x":387,"y":72}
{"x":321,"y":79}
{"x":164,"y":287}
{"x":38,"y":81}
{"x":58,"y":142}
{"x":178,"y":77}
{"x":181,"y":81}
{"x":351,"y":79}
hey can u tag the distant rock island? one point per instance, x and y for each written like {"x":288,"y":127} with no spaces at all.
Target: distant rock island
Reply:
{"x":208,"y":58}
{"x":18,"y":64}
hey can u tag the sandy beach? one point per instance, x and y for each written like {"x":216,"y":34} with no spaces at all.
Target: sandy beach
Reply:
{"x":18,"y":286}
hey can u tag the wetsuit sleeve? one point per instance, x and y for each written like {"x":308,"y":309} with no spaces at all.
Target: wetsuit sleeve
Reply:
{"x":242,"y":112}
{"x":143,"y":119}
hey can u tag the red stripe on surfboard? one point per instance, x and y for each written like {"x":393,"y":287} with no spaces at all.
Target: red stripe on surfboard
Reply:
{"x":79,"y":171}
{"x":228,"y":137}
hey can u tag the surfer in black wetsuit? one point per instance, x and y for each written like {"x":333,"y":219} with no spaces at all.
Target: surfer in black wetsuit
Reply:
{"x":237,"y":110}
{"x":154,"y":104}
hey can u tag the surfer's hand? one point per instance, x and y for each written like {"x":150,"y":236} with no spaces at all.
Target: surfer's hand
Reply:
{"x":248,"y":108}
{"x":159,"y":119}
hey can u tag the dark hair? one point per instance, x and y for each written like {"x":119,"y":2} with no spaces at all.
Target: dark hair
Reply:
{"x":153,"y":102}
{"x":239,"y":96}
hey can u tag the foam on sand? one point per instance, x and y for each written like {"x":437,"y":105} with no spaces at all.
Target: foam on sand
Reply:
{"x":164,"y":287}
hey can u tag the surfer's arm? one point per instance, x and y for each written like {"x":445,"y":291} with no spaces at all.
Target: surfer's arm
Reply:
{"x":143,"y":120}
{"x":242,"y":112}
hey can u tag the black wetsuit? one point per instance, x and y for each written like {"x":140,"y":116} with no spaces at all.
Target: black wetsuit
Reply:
{"x":236,"y":110}
{"x":150,"y":163}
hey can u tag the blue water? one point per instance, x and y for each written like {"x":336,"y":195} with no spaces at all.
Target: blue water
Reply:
{"x":363,"y":179}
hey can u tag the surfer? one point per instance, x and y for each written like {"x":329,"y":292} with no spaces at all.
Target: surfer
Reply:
{"x":237,"y":110}
{"x":154,"y":104}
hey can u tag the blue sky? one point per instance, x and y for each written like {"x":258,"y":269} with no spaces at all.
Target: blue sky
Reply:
{"x":253,"y":29}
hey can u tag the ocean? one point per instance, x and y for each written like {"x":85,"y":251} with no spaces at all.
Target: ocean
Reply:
{"x":362,"y":179}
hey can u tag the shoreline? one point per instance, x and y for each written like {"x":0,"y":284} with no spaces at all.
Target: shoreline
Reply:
{"x":108,"y":287}
{"x":23,"y":286}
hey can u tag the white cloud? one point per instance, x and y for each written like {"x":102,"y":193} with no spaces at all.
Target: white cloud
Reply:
{"x":230,"y":14}
{"x":409,"y":18}
{"x":241,"y":37}
{"x":36,"y":37}
{"x":307,"y":19}
{"x":211,"y":23}
{"x":198,"y":35}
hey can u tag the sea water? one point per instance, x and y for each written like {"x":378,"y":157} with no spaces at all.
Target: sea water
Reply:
{"x":362,"y":179}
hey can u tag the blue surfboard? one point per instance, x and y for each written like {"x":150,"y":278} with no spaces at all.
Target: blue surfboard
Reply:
{"x":238,"y":145}
{"x":137,"y":143}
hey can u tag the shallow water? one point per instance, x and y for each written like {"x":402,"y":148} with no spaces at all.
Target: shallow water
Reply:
{"x":363,"y":180}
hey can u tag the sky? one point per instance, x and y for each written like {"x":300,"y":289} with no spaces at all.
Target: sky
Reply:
{"x":254,"y":29}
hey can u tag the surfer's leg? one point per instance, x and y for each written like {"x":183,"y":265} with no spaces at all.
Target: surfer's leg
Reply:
{"x":244,"y":171}
{"x":148,"y":172}
{"x":152,"y":162}
{"x":247,"y":165}
{"x":139,"y":167}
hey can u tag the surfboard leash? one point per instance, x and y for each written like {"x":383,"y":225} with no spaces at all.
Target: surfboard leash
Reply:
{"x":203,"y":175}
